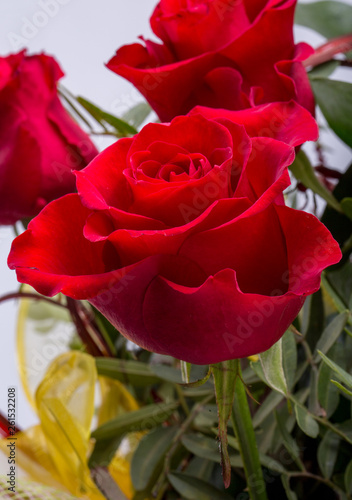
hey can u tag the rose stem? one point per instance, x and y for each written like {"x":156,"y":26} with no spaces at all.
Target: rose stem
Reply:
{"x":242,"y":424}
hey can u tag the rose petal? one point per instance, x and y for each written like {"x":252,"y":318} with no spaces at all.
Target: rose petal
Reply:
{"x":214,"y":322}
{"x":102,"y":184}
{"x":137,"y":245}
{"x":183,"y":28}
{"x":310,"y":249}
{"x":253,"y":246}
{"x":18,"y":147}
{"x":266,"y":171}
{"x":284,"y":121}
{"x":53,"y":256}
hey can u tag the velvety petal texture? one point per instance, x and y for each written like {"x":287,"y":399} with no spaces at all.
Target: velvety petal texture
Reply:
{"x":181,"y":238}
{"x":40,"y":144}
{"x":217,"y":53}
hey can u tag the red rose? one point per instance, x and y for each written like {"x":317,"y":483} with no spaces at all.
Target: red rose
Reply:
{"x":181,"y":238}
{"x":229,"y":54}
{"x":40,"y":144}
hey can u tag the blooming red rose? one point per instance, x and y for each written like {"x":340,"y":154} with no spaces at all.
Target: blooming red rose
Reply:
{"x":181,"y":238}
{"x":40,"y":144}
{"x":229,"y":54}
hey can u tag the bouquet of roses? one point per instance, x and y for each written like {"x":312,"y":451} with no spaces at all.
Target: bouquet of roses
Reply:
{"x":198,"y":321}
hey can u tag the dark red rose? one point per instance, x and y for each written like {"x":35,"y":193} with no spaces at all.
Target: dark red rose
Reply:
{"x":40,"y":144}
{"x":181,"y":238}
{"x":230,"y":54}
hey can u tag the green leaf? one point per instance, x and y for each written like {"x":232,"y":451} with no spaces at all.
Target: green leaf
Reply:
{"x":167,"y":373}
{"x":328,"y":394}
{"x":268,"y":462}
{"x":272,"y":364}
{"x":138,"y":420}
{"x":199,"y":374}
{"x":346,"y":429}
{"x":192,"y":488}
{"x":335,"y":296}
{"x":205,"y":447}
{"x":207,"y":417}
{"x":291,"y":495}
{"x":147,"y":461}
{"x":103,"y":452}
{"x":73,"y":110}
{"x":271,"y":464}
{"x":329,"y":18}
{"x":267,"y":407}
{"x":137,"y":115}
{"x":324,"y":70}
{"x":288,"y":441}
{"x":135,"y":373}
{"x":348,"y":478}
{"x":342,"y":388}
{"x":313,"y":318}
{"x":331,"y":334}
{"x":289,"y":358}
{"x":340,"y":225}
{"x":225,"y":375}
{"x":123,"y":128}
{"x":202,"y":446}
{"x":306,"y":422}
{"x":345,"y":377}
{"x":346,"y":205}
{"x":335,"y":101}
{"x":304,"y":172}
{"x":199,"y":392}
{"x":340,"y":280}
{"x":186,"y":371}
{"x":197,"y":383}
{"x":327,"y":453}
{"x":313,"y":402}
{"x":200,"y":468}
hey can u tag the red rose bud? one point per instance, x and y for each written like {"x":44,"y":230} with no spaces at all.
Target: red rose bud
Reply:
{"x":219,"y":53}
{"x":182,"y":238}
{"x":40,"y":144}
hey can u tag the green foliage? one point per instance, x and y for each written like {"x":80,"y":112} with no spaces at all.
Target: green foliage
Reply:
{"x":338,"y":224}
{"x":335,"y":100}
{"x":303,"y":171}
{"x":147,"y":461}
{"x":137,"y":115}
{"x":273,"y":369}
{"x":135,"y":421}
{"x":121,"y":127}
{"x":135,"y":373}
{"x":195,"y":489}
{"x":330,"y":18}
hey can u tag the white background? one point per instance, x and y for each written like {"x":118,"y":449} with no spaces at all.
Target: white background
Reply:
{"x":83,"y":35}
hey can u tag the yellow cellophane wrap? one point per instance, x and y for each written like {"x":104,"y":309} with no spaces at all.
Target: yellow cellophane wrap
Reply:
{"x":30,"y":490}
{"x":56,"y":452}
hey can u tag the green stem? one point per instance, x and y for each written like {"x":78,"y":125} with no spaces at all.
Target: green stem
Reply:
{"x":321,"y":420}
{"x":243,"y":427}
